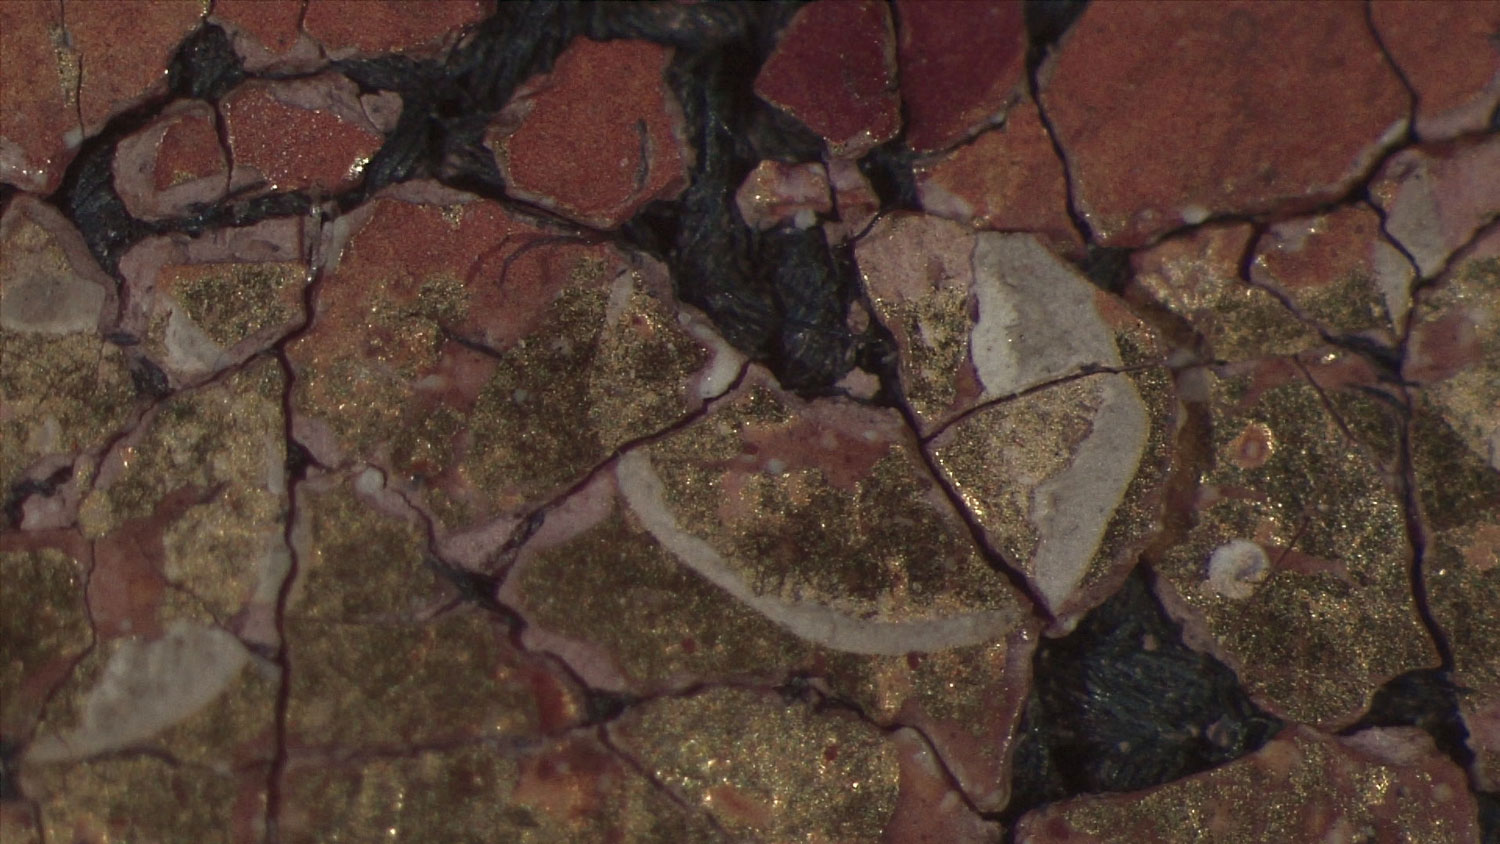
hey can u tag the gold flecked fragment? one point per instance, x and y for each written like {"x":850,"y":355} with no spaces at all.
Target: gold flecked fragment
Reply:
{"x":1332,"y":617}
{"x":764,"y":768}
{"x":44,"y":627}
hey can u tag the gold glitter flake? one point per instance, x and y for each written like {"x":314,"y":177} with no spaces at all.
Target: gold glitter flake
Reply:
{"x":937,"y":345}
{"x":1460,"y":498}
{"x":767,"y":769}
{"x":401,"y":682}
{"x":866,"y":532}
{"x":1334,"y":619}
{"x":231,"y":302}
{"x":476,"y":795}
{"x":142,"y":798}
{"x":228,"y":439}
{"x":62,"y":394}
{"x":43,"y":625}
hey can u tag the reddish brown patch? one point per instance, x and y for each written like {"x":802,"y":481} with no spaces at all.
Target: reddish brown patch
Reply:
{"x":379,"y":26}
{"x":597,"y":139}
{"x":273,"y":23}
{"x":189,"y":150}
{"x":1253,"y":447}
{"x":1483,"y":550}
{"x":558,"y":708}
{"x":1058,"y":829}
{"x":1292,"y":560}
{"x":834,"y":70}
{"x":405,"y":246}
{"x":734,"y":804}
{"x":295,"y":148}
{"x":570,"y":782}
{"x":1318,"y":251}
{"x":1447,"y":52}
{"x":1159,"y":128}
{"x":1196,"y":263}
{"x":126,"y":585}
{"x":247,"y":815}
{"x":1008,"y":179}
{"x":35,"y":114}
{"x":962,"y":63}
{"x":119,"y":69}
{"x":512,"y":287}
{"x":1443,"y":347}
{"x":1342,"y":371}
{"x":843,"y":458}
{"x":1265,"y":374}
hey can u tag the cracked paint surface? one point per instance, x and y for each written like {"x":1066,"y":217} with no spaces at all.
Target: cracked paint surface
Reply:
{"x":689,"y":422}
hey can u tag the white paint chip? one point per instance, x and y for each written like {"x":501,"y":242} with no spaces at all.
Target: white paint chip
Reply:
{"x":645,"y":493}
{"x":146,"y":687}
{"x":1236,"y":568}
{"x":1037,"y":319}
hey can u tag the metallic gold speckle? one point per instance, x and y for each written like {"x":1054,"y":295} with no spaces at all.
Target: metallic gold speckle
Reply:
{"x":767,"y":769}
{"x":43,"y":625}
{"x":1335,"y":618}
{"x":231,"y":302}
{"x":228,"y":441}
{"x":845,"y":516}
{"x":1299,"y":787}
{"x":142,"y":798}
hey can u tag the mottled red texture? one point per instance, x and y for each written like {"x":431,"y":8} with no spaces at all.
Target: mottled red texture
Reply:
{"x":1008,"y":179}
{"x":189,"y":150}
{"x":962,"y":63}
{"x":171,"y":163}
{"x":295,"y":148}
{"x":35,"y":99}
{"x":275,"y":24}
{"x":1161,"y":127}
{"x":834,"y":70}
{"x":1319,"y":251}
{"x":125,"y":46}
{"x":598,"y":138}
{"x":375,"y":26}
{"x":1450,"y":56}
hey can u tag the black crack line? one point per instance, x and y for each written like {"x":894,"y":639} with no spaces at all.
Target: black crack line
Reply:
{"x":1413,"y":99}
{"x":1416,"y":532}
{"x":295,"y":475}
{"x":1246,"y":276}
{"x":656,"y":783}
{"x":73,"y":662}
{"x":1411,"y":513}
{"x":794,"y":680}
{"x":890,"y":381}
{"x":1458,"y":253}
{"x":62,"y":20}
{"x":826,"y":700}
{"x":144,"y":415}
{"x":608,"y":461}
{"x":1421,"y":283}
{"x":1080,"y":222}
{"x":1399,"y":404}
{"x":1085,"y":371}
{"x":996,"y":561}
